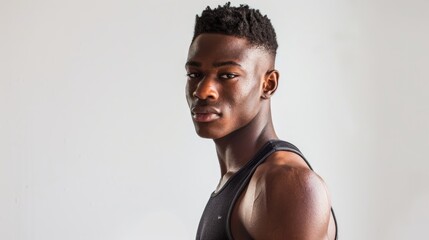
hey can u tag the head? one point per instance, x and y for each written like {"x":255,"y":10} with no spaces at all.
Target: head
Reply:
{"x":230,"y":69}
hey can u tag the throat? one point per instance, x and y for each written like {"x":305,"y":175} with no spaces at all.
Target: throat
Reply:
{"x":236,"y":150}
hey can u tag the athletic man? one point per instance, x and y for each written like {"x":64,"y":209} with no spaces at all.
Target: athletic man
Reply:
{"x":267,"y":189}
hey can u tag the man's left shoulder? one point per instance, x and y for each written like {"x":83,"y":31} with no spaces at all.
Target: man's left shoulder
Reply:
{"x":289,"y":199}
{"x":285,"y":172}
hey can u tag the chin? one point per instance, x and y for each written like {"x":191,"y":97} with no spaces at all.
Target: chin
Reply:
{"x":208,"y":135}
{"x":207,"y":132}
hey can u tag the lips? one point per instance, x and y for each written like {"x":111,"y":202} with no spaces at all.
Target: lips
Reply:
{"x":205,"y":114}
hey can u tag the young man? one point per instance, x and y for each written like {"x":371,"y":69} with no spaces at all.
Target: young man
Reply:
{"x":267,"y":189}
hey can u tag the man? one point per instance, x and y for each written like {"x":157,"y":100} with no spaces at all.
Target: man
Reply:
{"x":267,"y":189}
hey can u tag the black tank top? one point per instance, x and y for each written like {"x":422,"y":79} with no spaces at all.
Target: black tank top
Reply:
{"x":215,"y":221}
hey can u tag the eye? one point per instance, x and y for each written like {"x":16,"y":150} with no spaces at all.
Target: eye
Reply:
{"x":193,"y":75}
{"x":228,"y":76}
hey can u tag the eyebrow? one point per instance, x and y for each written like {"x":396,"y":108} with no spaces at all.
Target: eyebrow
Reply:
{"x":193,"y":64}
{"x":216,"y":64}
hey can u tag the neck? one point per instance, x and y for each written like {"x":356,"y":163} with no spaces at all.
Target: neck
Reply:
{"x":237,"y":148}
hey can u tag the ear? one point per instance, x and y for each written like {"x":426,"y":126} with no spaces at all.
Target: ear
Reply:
{"x":269,"y":86}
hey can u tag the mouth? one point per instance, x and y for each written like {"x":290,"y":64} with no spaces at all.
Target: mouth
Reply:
{"x":205,"y":114}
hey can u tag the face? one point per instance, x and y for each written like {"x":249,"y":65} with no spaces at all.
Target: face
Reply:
{"x":224,"y":89}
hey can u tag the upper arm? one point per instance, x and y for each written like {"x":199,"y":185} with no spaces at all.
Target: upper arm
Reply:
{"x":288,"y":203}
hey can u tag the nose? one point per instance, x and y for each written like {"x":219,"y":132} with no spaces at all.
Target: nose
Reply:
{"x":206,"y":89}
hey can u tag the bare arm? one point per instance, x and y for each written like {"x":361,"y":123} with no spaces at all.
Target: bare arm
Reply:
{"x":284,"y":202}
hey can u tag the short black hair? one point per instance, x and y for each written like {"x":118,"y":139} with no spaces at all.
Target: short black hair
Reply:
{"x":242,"y":22}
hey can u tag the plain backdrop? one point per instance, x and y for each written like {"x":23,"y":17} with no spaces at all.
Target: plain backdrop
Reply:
{"x":96,"y":140}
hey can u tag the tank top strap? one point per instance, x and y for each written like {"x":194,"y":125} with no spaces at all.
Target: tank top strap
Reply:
{"x":280,"y":145}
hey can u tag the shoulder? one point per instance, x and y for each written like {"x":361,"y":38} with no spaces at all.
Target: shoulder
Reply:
{"x":288,"y":170}
{"x":288,"y":200}
{"x":288,"y":180}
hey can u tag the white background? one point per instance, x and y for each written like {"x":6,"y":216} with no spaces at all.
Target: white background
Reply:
{"x":96,"y":141}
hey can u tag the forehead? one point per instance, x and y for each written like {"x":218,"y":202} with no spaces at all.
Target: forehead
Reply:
{"x":217,"y":47}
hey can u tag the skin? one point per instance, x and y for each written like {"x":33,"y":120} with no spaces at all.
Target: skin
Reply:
{"x":228,"y":90}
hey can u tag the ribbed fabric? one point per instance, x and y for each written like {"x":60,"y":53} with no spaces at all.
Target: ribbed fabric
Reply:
{"x":215,"y":221}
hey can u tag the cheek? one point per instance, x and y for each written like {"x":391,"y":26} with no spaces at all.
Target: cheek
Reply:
{"x":188,"y":93}
{"x":245,"y":101}
{"x":251,"y":94}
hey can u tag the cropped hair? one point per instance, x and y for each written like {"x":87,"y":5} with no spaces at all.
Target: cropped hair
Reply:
{"x":242,"y":22}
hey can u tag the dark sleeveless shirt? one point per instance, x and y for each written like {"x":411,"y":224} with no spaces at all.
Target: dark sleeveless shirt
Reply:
{"x":215,"y":221}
